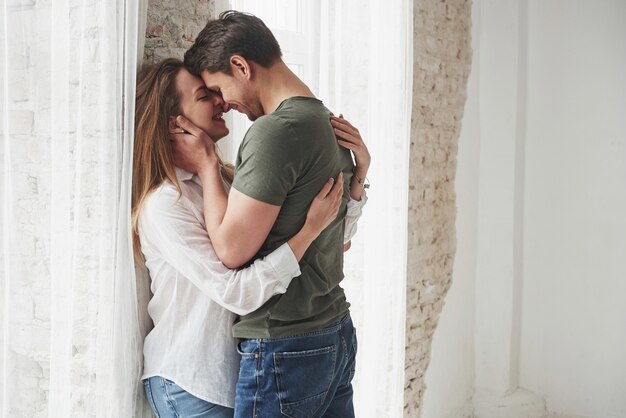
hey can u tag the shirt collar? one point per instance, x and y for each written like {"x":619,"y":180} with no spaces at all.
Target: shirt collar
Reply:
{"x":183,"y":175}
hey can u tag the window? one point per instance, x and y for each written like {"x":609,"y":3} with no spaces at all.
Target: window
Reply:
{"x":355,"y":56}
{"x":296,"y":33}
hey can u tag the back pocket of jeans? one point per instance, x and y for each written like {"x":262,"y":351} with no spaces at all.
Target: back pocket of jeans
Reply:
{"x":303,"y":379}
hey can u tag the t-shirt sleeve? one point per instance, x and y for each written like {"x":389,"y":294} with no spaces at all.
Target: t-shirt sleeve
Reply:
{"x":269,"y":161}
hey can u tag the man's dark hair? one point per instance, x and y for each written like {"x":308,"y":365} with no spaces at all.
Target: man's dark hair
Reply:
{"x":233,"y":33}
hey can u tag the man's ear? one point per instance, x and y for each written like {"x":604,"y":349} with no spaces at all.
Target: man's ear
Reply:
{"x":240,"y":67}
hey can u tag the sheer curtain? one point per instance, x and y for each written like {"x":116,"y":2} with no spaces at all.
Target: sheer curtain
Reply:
{"x":71,"y":334}
{"x":365,"y":73}
{"x":357,"y":55}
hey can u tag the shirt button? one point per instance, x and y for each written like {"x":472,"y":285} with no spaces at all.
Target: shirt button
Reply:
{"x":256,"y":356}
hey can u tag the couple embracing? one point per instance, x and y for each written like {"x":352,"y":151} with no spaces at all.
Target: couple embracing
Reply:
{"x":245,"y":263}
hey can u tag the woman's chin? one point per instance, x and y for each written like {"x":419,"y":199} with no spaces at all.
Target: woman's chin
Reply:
{"x":216,"y":132}
{"x":219,"y":135}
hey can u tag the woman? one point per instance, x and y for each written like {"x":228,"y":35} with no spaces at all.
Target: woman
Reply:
{"x":190,"y":358}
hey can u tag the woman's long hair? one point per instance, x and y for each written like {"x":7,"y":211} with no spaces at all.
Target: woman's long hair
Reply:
{"x":157,"y":99}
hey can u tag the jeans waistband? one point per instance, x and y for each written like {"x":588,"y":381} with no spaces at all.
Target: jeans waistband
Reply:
{"x":336,"y":327}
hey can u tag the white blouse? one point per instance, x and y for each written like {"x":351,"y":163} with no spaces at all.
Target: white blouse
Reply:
{"x":196,"y":298}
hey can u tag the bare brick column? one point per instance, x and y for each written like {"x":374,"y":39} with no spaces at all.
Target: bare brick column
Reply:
{"x":442,"y":58}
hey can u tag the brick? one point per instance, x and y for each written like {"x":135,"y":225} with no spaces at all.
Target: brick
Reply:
{"x":172,"y":27}
{"x":442,"y":54}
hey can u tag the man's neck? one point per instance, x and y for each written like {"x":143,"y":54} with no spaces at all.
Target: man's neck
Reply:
{"x":278,"y":84}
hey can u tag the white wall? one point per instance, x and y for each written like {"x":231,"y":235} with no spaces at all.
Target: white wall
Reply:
{"x":537,"y":299}
{"x":574,"y":308}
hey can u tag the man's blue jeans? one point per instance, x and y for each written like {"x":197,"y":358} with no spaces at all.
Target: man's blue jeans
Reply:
{"x":304,"y":376}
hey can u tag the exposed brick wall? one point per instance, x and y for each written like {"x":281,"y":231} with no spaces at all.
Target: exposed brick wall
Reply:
{"x":442,"y":56}
{"x":172,"y":27}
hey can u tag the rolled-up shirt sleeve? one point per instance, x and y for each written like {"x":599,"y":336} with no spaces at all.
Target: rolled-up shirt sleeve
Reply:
{"x":353,"y":214}
{"x":171,"y":233}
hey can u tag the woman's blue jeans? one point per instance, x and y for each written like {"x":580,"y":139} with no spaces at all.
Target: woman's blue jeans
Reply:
{"x":305,"y":376}
{"x":168,"y":400}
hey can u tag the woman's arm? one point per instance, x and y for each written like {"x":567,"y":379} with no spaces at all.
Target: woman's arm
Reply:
{"x":201,"y":158}
{"x":350,"y":138}
{"x":323,"y":210}
{"x":321,"y":213}
{"x":237,"y":224}
{"x":170,"y":231}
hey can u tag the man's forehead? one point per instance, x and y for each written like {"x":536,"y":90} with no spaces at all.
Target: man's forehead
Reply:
{"x":212,"y":78}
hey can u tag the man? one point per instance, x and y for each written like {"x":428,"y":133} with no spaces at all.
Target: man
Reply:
{"x":298,"y":350}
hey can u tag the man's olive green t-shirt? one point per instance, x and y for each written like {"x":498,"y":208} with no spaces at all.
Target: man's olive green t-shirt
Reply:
{"x":285,"y":159}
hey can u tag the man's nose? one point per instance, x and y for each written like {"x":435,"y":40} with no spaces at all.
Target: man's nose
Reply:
{"x":219,"y":101}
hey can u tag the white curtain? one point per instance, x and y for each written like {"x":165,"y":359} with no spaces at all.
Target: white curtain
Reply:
{"x":357,"y":56}
{"x":365,"y":73}
{"x":72,"y":331}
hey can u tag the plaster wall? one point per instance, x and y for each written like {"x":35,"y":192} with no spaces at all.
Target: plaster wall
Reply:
{"x":540,"y":192}
{"x":573,"y":313}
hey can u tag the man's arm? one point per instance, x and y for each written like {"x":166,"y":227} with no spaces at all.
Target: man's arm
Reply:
{"x":237,"y":224}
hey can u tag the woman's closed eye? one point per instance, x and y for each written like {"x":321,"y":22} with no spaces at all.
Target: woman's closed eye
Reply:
{"x":207,"y":94}
{"x":203,"y":94}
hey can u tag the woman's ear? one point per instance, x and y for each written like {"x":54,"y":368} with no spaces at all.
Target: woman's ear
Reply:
{"x":240,"y":66}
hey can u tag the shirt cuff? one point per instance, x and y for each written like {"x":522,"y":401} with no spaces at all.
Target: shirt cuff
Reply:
{"x":356,"y":206}
{"x":284,"y":263}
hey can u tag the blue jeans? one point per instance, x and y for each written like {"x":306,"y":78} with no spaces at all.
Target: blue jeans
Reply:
{"x":303,"y":376}
{"x":167,"y":399}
